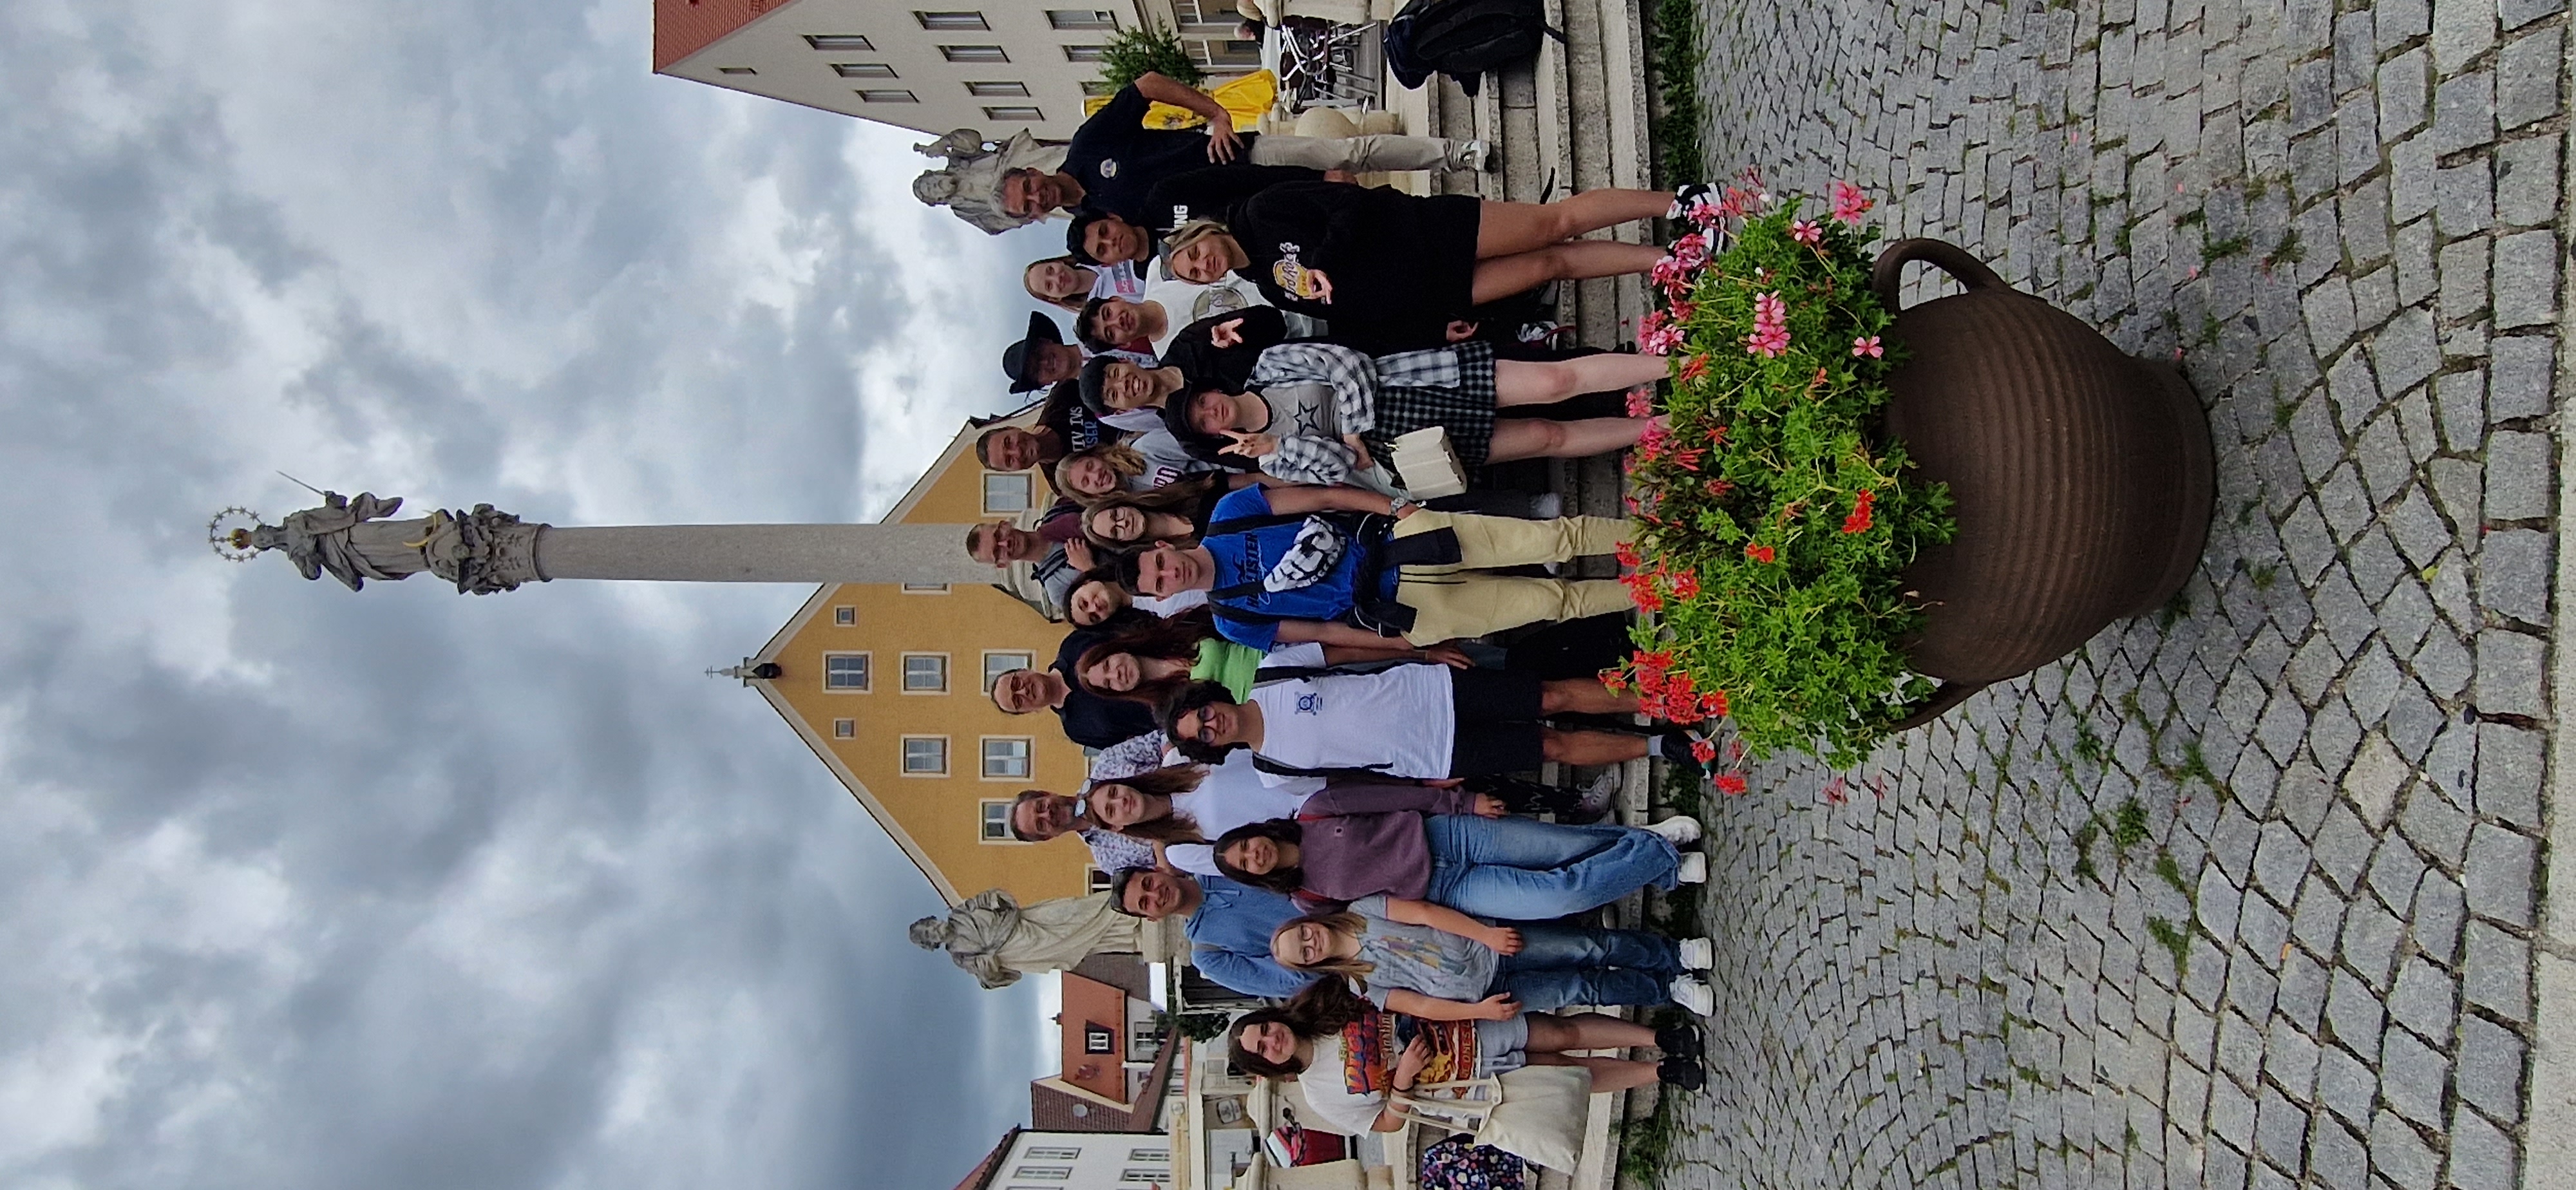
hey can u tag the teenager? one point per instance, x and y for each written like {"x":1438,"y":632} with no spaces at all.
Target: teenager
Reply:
{"x":1101,"y":239}
{"x":1124,"y":520}
{"x":1113,"y":160}
{"x":1137,"y":466}
{"x":1097,"y":598}
{"x":1320,"y":412}
{"x":1228,"y":925}
{"x":1151,"y":662}
{"x":1434,"y":962}
{"x":1400,"y":263}
{"x":1067,"y":282}
{"x":1341,"y":847}
{"x":1348,"y":1058}
{"x":1427,"y":722}
{"x":1109,"y":323}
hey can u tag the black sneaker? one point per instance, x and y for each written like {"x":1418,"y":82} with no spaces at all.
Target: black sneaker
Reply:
{"x":1675,"y":748}
{"x":1687,"y":195}
{"x":1681,"y":1041}
{"x":1681,"y":1074}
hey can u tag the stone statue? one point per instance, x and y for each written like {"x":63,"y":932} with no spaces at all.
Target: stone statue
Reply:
{"x":970,"y":185}
{"x":996,"y":939}
{"x":482,"y":551}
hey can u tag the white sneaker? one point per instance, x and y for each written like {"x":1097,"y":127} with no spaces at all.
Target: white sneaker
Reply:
{"x":1680,"y":828}
{"x":1698,"y":954}
{"x":1690,"y":993}
{"x":1546,"y":506}
{"x":1693,"y":869}
{"x":1476,"y":156}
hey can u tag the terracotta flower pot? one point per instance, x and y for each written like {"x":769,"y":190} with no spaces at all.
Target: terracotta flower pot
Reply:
{"x":2081,"y":476}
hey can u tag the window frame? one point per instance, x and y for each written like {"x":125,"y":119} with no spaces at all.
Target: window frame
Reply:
{"x":1015,"y":113}
{"x":865,"y":70}
{"x":983,"y":822}
{"x":907,"y":660}
{"x":1082,"y":20}
{"x":951,"y":20}
{"x":845,"y":729}
{"x":975,"y":54}
{"x":1052,"y":1153}
{"x":979,"y":89}
{"x":903,"y":756}
{"x":868,"y":664}
{"x":885,"y":95}
{"x":737,"y":70}
{"x":983,"y":757}
{"x":925,"y":588}
{"x":845,"y":615}
{"x":1087,"y":53}
{"x":1029,"y":486}
{"x":845,"y":43}
{"x":1030,"y":662}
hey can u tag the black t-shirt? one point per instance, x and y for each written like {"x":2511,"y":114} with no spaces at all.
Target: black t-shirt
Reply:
{"x":1064,"y":413}
{"x":1118,"y":160}
{"x":1204,"y":365}
{"x":1214,"y":192}
{"x":1401,"y":266}
{"x":1090,"y":720}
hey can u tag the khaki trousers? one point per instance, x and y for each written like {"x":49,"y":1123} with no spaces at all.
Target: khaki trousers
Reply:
{"x":1450,"y":601}
{"x":1358,"y":154}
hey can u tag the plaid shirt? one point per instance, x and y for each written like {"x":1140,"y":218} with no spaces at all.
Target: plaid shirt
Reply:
{"x":1354,"y":379}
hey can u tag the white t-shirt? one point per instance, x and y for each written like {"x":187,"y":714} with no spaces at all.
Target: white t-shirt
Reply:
{"x":1330,"y":1097}
{"x":1186,"y":302}
{"x":1233,"y":794}
{"x":1168,"y":606}
{"x":1169,"y":462}
{"x":1400,"y":718}
{"x":1117,"y":280}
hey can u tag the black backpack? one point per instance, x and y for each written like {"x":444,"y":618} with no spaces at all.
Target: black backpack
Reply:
{"x":1463,"y":38}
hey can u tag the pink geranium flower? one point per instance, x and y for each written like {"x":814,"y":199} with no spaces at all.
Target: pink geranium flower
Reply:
{"x":1868,"y":346}
{"x":1850,"y":204}
{"x":1770,"y":337}
{"x":1807,"y":232}
{"x":1690,"y":251}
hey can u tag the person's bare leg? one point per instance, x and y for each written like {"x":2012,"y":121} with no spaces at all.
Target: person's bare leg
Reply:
{"x":1502,"y":276}
{"x":1583,"y":696}
{"x":1590,"y":747}
{"x":1528,"y":438}
{"x":1608,"y":1074}
{"x":1545,"y":382}
{"x":1503,"y":228}
{"x":1557,"y":1033}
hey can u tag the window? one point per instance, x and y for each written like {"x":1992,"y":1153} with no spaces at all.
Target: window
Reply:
{"x":1085,"y":53}
{"x":839,"y":41}
{"x":886,"y":96}
{"x":925,"y":588}
{"x":1081,"y":18}
{"x":845,"y":729}
{"x":1098,"y":1038}
{"x":845,"y":671}
{"x":1006,"y":758}
{"x":1055,"y":1153}
{"x":1030,"y":114}
{"x":998,"y":90}
{"x":1144,"y":1175}
{"x":845,"y":617}
{"x":863,"y":70}
{"x":950,"y":20}
{"x":925,"y":673}
{"x":1008,"y":491}
{"x":1045,"y":1173}
{"x":1217,"y":51}
{"x":925,"y":756}
{"x":974,"y":53}
{"x":1162,"y":1155}
{"x":997,"y":664}
{"x":1096,"y":881}
{"x":1099,"y":87}
{"x":735,"y":70}
{"x":996,"y":828}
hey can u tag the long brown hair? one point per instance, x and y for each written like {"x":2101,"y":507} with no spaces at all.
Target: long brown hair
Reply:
{"x":1123,"y":462}
{"x":1185,"y":498}
{"x":1173,"y":639}
{"x":1168,"y":781}
{"x":1341,"y":922}
{"x":1323,"y":1007}
{"x":1290,"y":879}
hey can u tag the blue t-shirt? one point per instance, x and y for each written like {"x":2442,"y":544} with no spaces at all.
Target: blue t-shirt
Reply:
{"x":1246,"y":556}
{"x":1230,"y":937}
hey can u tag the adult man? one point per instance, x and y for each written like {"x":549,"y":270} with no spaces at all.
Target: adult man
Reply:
{"x":1037,"y":816}
{"x":1089,"y":719}
{"x":1229,"y":925}
{"x":1041,"y":357}
{"x":1427,"y":722}
{"x":1113,"y":160}
{"x":1275,"y":573}
{"x":1054,"y":560}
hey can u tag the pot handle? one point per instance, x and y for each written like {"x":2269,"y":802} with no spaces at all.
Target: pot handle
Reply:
{"x":1950,"y":694}
{"x":1948,"y":257}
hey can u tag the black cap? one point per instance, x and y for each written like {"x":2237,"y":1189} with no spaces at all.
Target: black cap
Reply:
{"x":1019,"y":360}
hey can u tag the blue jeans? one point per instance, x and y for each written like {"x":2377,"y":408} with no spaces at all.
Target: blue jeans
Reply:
{"x":1561,"y":965}
{"x":1520,"y":869}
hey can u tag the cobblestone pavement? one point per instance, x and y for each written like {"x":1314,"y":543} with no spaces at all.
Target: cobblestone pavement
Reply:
{"x":2242,"y":895}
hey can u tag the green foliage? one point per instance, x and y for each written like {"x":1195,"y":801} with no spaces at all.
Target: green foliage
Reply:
{"x":2128,"y":825}
{"x":2174,"y":939}
{"x":2222,"y":249}
{"x":1673,"y":62}
{"x":2084,"y":836}
{"x":1776,"y":523}
{"x":1197,"y":1026}
{"x":1153,"y":49}
{"x":2171,"y":873}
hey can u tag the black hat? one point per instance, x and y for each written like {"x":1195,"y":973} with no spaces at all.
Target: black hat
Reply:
{"x":1019,"y":360}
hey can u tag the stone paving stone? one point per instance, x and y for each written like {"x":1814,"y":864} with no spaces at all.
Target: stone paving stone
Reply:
{"x":1924,"y":989}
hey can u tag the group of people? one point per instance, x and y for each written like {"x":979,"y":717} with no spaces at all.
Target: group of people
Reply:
{"x":1307,"y":757}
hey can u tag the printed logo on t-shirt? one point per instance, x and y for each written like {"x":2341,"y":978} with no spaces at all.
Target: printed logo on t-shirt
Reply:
{"x":1293,"y":277}
{"x":1108,"y":167}
{"x":1310,"y":704}
{"x":1180,"y":213}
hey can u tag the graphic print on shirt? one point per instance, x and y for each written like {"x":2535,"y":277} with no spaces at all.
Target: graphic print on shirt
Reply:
{"x":1292,"y":276}
{"x":1310,"y":704}
{"x":1108,"y":167}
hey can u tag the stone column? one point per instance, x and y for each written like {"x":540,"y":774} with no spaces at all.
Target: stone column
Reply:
{"x":486,"y":550}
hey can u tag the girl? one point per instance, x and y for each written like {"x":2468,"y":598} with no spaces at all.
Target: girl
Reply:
{"x":1436,"y":963}
{"x":1403,"y":265}
{"x":1096,"y":599}
{"x":1511,"y":868}
{"x":1357,"y":1055}
{"x":1066,"y":282}
{"x":1150,"y":662}
{"x":1180,"y":807}
{"x":1175,"y":513}
{"x":1321,"y":413}
{"x":1089,"y":474}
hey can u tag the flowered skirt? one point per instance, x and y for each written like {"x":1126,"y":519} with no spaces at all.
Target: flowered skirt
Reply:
{"x":1459,"y":1163}
{"x":1451,"y":387}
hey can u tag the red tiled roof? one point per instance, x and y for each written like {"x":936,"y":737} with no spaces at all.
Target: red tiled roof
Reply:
{"x":683,"y":27}
{"x":1091,"y":1002}
{"x":982,"y":1175}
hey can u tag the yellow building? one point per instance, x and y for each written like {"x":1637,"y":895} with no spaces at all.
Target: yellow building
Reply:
{"x":890,"y":685}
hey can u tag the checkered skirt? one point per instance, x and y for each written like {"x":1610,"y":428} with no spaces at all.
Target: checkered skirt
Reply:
{"x":1451,"y":387}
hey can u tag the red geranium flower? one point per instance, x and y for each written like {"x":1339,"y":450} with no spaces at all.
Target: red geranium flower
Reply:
{"x":1730,"y":784}
{"x":1759,"y":553}
{"x":1703,"y":751}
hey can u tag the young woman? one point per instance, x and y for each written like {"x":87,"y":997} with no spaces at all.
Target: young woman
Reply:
{"x":1087,"y":475}
{"x":1436,"y":963}
{"x":1346,"y":1056}
{"x":1176,"y":513}
{"x":1068,"y":283}
{"x":1096,"y":598}
{"x":1403,"y":266}
{"x":1478,"y":863}
{"x":1152,"y":662}
{"x":1322,"y":413}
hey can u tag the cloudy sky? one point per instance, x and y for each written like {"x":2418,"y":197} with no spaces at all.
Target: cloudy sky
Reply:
{"x":408,"y":889}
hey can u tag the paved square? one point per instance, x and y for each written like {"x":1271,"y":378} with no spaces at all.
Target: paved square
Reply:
{"x":2244,"y":894}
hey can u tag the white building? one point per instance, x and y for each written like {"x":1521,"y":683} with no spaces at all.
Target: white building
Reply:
{"x":997,"y":68}
{"x":1031,"y":1160}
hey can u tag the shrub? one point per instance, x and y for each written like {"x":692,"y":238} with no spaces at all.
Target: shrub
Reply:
{"x":1777,"y":522}
{"x":1153,"y":49}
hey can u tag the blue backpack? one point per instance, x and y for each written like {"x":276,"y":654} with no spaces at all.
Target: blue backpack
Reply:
{"x":1463,"y":38}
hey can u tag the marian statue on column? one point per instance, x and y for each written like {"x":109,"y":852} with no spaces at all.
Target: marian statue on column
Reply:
{"x":352,"y":540}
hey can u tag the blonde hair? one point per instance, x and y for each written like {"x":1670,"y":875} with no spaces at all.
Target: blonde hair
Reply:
{"x":1071,"y":301}
{"x":1346,"y":924}
{"x":1192,"y":232}
{"x":1123,"y":462}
